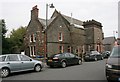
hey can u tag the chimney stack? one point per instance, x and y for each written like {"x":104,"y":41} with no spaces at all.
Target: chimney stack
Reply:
{"x":34,"y":12}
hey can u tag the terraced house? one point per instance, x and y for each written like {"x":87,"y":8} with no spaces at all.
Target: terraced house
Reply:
{"x":63,"y":34}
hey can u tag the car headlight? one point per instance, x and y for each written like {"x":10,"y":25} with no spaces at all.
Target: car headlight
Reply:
{"x":108,"y":66}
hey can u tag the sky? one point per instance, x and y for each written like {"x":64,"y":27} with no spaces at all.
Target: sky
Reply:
{"x":17,"y":12}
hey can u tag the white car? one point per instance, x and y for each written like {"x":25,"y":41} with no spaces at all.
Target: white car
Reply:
{"x":10,"y":63}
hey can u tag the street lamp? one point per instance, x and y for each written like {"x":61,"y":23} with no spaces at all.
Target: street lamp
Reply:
{"x":51,"y":6}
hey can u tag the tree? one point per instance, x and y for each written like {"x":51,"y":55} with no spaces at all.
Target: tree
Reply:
{"x":3,"y":41}
{"x":14,"y":43}
{"x":16,"y":39}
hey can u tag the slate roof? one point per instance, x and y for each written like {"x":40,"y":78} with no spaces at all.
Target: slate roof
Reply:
{"x":75,"y":22}
{"x":109,"y":40}
{"x":43,"y":21}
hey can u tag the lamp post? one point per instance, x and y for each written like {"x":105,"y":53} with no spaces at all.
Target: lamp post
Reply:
{"x":51,"y":6}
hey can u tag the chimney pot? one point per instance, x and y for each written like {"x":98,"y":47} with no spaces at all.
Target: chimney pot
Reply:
{"x":34,"y":12}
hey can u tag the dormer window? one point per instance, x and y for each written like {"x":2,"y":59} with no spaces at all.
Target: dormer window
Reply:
{"x":60,"y":36}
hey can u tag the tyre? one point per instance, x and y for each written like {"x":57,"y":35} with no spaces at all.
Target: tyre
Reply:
{"x":51,"y":66}
{"x":64,"y":64}
{"x":79,"y":62}
{"x":4,"y":72}
{"x":96,"y":59}
{"x":109,"y":80}
{"x":37,"y":68}
{"x":102,"y":58}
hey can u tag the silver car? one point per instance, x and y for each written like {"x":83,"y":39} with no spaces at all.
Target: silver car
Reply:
{"x":10,"y":63}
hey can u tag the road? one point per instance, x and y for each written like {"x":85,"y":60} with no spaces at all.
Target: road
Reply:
{"x":87,"y":71}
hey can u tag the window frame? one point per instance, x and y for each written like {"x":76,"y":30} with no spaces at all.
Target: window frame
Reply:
{"x":34,"y":37}
{"x":61,"y":49}
{"x":60,"y":36}
{"x":28,"y":59}
{"x":2,"y":60}
{"x":13,"y":56}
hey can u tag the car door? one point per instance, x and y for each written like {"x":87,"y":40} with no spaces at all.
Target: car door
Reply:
{"x":68,"y":58}
{"x":13,"y":62}
{"x":26,"y":62}
{"x":99,"y":57}
{"x":73,"y":58}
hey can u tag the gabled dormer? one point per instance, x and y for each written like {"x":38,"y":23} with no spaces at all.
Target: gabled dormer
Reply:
{"x":55,"y":13}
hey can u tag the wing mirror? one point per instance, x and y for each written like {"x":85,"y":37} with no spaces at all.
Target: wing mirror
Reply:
{"x":30,"y":59}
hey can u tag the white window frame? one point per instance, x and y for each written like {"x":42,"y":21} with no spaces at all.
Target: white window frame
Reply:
{"x":60,"y":36}
{"x":32,"y":51}
{"x":34,"y":38}
{"x":62,"y":49}
{"x":69,"y":48}
{"x":30,"y":39}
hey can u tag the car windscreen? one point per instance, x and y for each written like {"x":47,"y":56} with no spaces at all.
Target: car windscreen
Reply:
{"x":2,"y":58}
{"x":115,"y":52}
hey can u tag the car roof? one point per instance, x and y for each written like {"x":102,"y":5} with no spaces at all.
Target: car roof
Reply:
{"x":9,"y":54}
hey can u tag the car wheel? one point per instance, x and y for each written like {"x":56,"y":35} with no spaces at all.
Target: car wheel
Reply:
{"x":64,"y":64}
{"x":5,"y":72}
{"x":80,"y":62}
{"x":102,"y":58}
{"x":96,"y":59}
{"x":37,"y":68}
{"x":51,"y":66}
{"x":108,"y":79}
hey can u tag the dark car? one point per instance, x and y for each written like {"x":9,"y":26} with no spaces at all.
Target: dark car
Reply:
{"x":113,"y":65}
{"x":63,"y":60}
{"x":106,"y":54}
{"x":93,"y":55}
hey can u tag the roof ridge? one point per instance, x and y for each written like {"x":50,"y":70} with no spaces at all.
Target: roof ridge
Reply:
{"x":72,"y":17}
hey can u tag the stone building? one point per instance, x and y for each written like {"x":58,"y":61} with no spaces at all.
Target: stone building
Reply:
{"x":109,"y":43}
{"x":94,"y":35}
{"x":63,"y":34}
{"x":34,"y":37}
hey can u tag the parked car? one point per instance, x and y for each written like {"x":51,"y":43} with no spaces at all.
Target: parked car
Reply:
{"x":106,"y":54}
{"x":10,"y":63}
{"x":113,"y":65}
{"x":63,"y":60}
{"x":93,"y":55}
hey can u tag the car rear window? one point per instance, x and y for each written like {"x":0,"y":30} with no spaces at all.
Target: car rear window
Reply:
{"x":2,"y":58}
{"x":58,"y":55}
{"x":94,"y":52}
{"x":115,"y":52}
{"x":55,"y":55}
